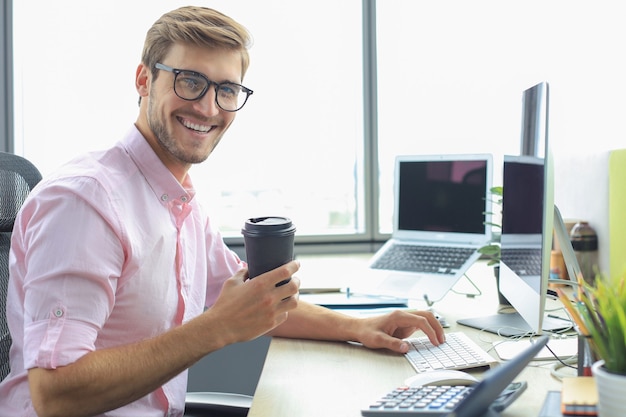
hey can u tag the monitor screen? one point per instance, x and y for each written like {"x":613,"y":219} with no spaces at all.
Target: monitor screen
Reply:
{"x":523,"y":177}
{"x":442,"y":195}
{"x":527,"y":226}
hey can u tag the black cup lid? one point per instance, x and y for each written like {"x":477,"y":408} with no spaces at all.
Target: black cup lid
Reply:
{"x":269,"y":224}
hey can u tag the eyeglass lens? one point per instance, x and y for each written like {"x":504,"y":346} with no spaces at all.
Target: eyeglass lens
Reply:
{"x":190,"y":85}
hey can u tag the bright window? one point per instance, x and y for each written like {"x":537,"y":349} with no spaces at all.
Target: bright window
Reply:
{"x":293,"y":149}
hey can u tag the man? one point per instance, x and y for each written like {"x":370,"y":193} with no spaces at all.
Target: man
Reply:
{"x":113,"y":261}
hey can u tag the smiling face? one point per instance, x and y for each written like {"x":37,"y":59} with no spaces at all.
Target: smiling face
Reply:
{"x":183,"y":132}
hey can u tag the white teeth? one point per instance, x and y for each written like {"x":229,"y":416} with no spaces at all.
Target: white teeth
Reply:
{"x":196,"y":127}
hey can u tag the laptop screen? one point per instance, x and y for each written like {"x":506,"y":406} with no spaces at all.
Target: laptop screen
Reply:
{"x":442,"y":194}
{"x":522,"y":209}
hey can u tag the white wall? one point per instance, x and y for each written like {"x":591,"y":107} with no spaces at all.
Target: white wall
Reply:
{"x":583,"y":135}
{"x":582,"y":192}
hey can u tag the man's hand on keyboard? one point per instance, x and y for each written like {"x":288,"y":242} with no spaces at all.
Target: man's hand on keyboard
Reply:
{"x":389,"y":330}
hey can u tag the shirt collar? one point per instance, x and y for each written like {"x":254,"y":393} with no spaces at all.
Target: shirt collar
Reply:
{"x":165,"y":186}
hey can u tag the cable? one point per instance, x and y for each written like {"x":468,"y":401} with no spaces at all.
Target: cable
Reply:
{"x":469,"y":295}
{"x":555,"y":369}
{"x":563,"y":362}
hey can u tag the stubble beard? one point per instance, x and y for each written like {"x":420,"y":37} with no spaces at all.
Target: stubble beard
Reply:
{"x":169,"y":143}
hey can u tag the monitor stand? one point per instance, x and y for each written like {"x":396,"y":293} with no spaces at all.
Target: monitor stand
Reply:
{"x":513,"y":325}
{"x":565,"y":348}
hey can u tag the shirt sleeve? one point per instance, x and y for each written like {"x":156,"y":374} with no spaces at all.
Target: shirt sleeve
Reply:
{"x":222,"y":263}
{"x":70,"y":270}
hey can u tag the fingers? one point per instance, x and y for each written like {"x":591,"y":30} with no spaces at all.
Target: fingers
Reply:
{"x":289,"y":289}
{"x":241,"y":275}
{"x":389,"y":341}
{"x":247,"y":308}
{"x":433,"y":330}
{"x":389,"y":331}
{"x":281,"y":275}
{"x":282,"y":279}
{"x":408,"y":322}
{"x":278,"y":287}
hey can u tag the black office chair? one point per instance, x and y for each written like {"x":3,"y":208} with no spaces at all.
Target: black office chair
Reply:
{"x":18,"y":177}
{"x":217,"y":404}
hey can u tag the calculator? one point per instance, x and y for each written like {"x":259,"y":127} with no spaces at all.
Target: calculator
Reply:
{"x":424,"y":401}
{"x":434,"y":401}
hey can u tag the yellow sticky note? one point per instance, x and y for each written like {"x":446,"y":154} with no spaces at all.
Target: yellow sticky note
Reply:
{"x":617,"y":212}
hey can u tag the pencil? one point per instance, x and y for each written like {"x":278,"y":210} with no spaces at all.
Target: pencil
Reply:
{"x":573,"y":313}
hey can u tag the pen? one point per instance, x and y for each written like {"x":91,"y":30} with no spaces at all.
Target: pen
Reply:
{"x":586,"y":359}
{"x":319,"y":290}
{"x":554,"y":316}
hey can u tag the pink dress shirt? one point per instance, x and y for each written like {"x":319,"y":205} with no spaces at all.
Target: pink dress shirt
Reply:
{"x":110,"y":250}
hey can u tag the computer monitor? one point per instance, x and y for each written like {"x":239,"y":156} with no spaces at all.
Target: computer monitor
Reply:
{"x":526,"y":241}
{"x":534,"y":132}
{"x":527,"y":226}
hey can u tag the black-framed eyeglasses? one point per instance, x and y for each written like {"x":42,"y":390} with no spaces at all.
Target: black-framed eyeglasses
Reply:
{"x":191,"y":85}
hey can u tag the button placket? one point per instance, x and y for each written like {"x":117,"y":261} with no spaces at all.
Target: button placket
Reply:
{"x":179,"y":210}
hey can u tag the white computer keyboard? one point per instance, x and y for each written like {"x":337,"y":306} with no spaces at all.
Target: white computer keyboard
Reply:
{"x":458,"y":352}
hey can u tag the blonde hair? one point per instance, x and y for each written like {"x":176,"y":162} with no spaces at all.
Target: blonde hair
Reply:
{"x":198,"y":26}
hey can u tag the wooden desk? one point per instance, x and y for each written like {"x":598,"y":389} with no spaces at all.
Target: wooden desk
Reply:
{"x":312,"y":378}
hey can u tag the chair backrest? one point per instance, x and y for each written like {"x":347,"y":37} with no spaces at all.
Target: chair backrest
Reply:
{"x":18,"y":177}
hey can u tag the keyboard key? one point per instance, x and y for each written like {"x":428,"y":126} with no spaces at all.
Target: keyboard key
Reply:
{"x":523,"y":261}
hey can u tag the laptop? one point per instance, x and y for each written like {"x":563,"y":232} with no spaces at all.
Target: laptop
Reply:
{"x":441,"y":210}
{"x":522,"y":216}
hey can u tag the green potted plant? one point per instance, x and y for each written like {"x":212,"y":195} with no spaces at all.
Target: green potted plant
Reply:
{"x":599,"y":311}
{"x":491,"y":251}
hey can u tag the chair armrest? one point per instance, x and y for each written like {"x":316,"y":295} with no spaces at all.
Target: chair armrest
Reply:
{"x":204,"y":404}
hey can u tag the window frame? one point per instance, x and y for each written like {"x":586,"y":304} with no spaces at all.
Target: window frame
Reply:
{"x":371,"y":239}
{"x":6,"y":76}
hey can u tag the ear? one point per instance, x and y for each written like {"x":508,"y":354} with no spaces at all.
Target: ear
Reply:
{"x":142,"y":80}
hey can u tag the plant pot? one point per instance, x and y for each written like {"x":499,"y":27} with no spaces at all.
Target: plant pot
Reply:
{"x":611,"y":391}
{"x":501,"y":298}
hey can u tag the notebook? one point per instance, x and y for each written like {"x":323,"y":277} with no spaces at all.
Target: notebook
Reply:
{"x":579,"y":396}
{"x":441,"y":205}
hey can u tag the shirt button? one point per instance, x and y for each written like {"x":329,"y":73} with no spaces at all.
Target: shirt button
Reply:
{"x":58,"y":312}
{"x":184,"y":199}
{"x":164,"y":197}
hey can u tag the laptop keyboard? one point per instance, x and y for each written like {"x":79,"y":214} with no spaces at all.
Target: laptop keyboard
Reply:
{"x":459,"y":352}
{"x":523,"y":261}
{"x":415,"y":258}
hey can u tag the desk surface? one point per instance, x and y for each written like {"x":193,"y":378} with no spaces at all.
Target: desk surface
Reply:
{"x":313,"y":378}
